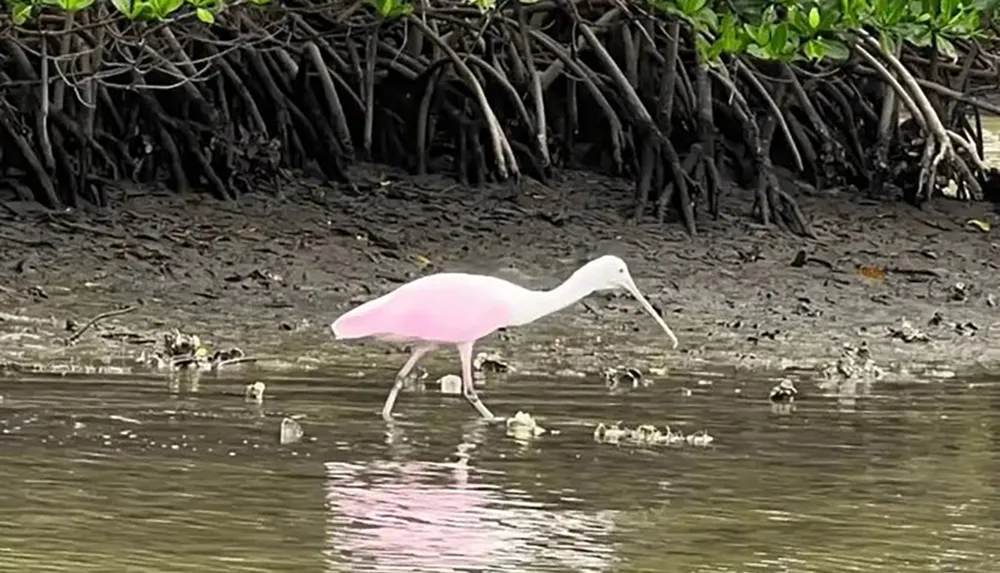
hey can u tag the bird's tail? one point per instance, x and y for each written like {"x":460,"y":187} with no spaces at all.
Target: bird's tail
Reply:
{"x":357,"y":323}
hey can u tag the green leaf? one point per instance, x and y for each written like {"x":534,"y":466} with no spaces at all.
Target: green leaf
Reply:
{"x":123,"y":6}
{"x":835,"y":49}
{"x":760,"y":34}
{"x":708,"y":18}
{"x":946,"y":48}
{"x":758,"y":52}
{"x":728,"y":41}
{"x":814,"y":18}
{"x":814,"y":50}
{"x":948,"y":9}
{"x":919,"y":36}
{"x":164,"y":8}
{"x":828,"y":19}
{"x":779,"y":39}
{"x":20,"y":13}
{"x":205,"y":16}
{"x":72,"y":5}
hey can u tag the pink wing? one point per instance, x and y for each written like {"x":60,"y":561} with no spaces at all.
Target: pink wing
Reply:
{"x":449,"y":309}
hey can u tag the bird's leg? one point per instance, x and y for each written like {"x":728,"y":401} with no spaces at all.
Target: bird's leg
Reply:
{"x":468,"y":390}
{"x":418,"y":353}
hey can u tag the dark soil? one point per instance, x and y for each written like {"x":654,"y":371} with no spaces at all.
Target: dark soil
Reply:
{"x":268,"y":274}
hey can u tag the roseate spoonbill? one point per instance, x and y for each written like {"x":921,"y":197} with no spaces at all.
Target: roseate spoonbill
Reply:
{"x":458,"y":309}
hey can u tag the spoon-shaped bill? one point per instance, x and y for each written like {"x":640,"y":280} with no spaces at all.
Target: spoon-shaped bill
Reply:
{"x":630,"y":287}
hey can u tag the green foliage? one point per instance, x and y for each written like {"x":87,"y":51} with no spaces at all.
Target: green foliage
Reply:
{"x":391,"y":9}
{"x":786,"y":30}
{"x":139,"y":10}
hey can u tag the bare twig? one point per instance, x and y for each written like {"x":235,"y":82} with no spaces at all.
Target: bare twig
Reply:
{"x":104,"y":315}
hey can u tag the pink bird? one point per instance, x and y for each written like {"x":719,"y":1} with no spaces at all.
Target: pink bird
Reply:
{"x":458,"y":309}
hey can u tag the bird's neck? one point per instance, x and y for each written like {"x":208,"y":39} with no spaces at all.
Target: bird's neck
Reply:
{"x":545,"y":302}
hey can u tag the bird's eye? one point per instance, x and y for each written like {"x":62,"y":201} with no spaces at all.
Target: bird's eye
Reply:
{"x":621,"y":271}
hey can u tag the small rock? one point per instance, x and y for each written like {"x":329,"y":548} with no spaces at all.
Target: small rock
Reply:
{"x":291,"y":431}
{"x":523,"y":426}
{"x":255,"y":392}
{"x":908,"y":333}
{"x":450,"y":384}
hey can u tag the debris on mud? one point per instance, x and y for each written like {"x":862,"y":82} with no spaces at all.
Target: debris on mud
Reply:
{"x":981,"y":224}
{"x":177,"y":344}
{"x":908,"y":333}
{"x":416,"y":378}
{"x":621,"y":379}
{"x":959,"y":292}
{"x":291,"y":431}
{"x":700,"y":439}
{"x":489,"y":363}
{"x":186,"y":352}
{"x":966,"y":329}
{"x":784,"y":392}
{"x":77,"y":333}
{"x":648,"y":435}
{"x":871,"y":272}
{"x":450,"y":384}
{"x":522,"y":426}
{"x":851,"y":375}
{"x":255,"y":392}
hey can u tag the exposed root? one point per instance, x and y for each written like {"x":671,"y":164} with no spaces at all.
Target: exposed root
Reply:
{"x":228,"y":108}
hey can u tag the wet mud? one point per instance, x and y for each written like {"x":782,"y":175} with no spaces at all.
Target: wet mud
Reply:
{"x":914,"y":289}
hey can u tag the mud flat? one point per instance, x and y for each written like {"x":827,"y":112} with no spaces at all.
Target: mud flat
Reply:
{"x":917,"y":288}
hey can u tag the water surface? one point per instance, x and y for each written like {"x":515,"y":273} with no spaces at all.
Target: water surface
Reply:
{"x":140,"y":475}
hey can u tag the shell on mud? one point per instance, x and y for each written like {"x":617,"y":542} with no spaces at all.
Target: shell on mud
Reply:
{"x":221,"y":356}
{"x":450,"y":384}
{"x":490,"y":362}
{"x":624,"y":378}
{"x":290,"y":432}
{"x":700,"y":439}
{"x":523,"y":426}
{"x":255,"y":392}
{"x":176,"y":343}
{"x":783,"y":392}
{"x":647,"y":435}
{"x":609,"y":434}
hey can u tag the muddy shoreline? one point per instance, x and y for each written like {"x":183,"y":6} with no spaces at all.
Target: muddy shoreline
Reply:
{"x":268,"y":273}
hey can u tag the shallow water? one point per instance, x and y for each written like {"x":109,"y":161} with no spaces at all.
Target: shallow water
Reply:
{"x":140,"y":475}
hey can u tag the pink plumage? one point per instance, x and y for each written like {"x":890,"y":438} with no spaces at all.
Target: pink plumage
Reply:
{"x":447,"y":308}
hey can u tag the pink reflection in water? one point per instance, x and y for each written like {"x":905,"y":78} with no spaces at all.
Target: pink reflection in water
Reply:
{"x":394,"y":517}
